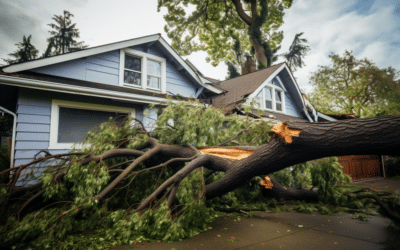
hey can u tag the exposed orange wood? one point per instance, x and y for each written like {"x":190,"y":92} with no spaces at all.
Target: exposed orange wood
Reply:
{"x":232,"y":153}
{"x":284,"y":132}
{"x":267,"y":183}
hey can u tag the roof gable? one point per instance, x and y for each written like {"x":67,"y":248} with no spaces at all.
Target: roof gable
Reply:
{"x":245,"y":85}
{"x":107,"y":48}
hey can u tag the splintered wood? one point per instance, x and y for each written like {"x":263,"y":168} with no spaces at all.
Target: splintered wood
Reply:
{"x":232,"y":153}
{"x":267,"y":183}
{"x":285,"y":133}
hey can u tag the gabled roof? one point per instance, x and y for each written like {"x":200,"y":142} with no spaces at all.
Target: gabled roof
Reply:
{"x":206,"y":80}
{"x":240,"y":87}
{"x":18,"y":67}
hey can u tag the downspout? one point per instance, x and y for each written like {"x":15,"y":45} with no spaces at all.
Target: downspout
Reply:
{"x":13,"y":135}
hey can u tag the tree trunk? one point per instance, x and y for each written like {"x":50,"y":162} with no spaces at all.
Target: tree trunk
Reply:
{"x":260,"y":53}
{"x":372,"y":136}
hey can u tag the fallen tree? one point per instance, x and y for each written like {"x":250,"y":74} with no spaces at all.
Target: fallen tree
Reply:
{"x":98,"y":184}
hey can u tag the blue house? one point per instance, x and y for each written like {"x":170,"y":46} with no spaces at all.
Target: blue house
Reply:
{"x":57,"y":100}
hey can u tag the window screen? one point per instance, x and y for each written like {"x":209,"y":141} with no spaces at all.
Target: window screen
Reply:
{"x":73,"y":123}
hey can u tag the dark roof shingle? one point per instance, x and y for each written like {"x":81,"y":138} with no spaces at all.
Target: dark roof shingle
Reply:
{"x":242,"y":86}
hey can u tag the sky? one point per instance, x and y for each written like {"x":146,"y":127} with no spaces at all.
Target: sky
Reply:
{"x":371,"y":29}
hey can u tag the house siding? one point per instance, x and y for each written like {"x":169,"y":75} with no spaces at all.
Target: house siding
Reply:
{"x":33,"y":123}
{"x":101,"y":68}
{"x":290,"y":107}
{"x":104,"y":68}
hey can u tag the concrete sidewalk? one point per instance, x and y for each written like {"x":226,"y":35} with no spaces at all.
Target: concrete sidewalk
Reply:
{"x":287,"y":230}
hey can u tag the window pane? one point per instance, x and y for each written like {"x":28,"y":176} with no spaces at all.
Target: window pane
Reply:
{"x":278,"y":96}
{"x":268,"y":104}
{"x":132,"y":77}
{"x":73,"y":124}
{"x":279,"y":106}
{"x":153,"y":82}
{"x":134,"y":63}
{"x":268,"y":93}
{"x":153,"y":67}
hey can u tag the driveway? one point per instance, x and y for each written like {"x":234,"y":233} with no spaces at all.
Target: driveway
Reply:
{"x":381,"y":184}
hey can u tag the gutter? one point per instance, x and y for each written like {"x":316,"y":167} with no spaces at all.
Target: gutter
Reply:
{"x":71,"y":89}
{"x":13,"y":134}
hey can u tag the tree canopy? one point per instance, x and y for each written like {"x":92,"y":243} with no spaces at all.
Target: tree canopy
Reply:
{"x":26,"y":51}
{"x":355,"y":86}
{"x":216,"y":23}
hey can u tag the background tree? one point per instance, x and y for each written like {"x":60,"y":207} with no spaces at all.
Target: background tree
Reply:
{"x":296,"y":52}
{"x":213,"y":22}
{"x":96,"y":187}
{"x":232,"y":71}
{"x":26,"y":51}
{"x":63,"y":36}
{"x":355,"y":86}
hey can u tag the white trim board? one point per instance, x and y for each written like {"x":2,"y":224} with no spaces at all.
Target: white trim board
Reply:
{"x":71,"y":89}
{"x":106,"y":48}
{"x":55,"y":107}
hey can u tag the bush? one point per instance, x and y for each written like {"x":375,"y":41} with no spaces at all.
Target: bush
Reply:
{"x":393,"y":166}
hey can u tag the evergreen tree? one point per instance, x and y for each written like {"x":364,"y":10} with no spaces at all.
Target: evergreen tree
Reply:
{"x":232,"y":71}
{"x":63,"y":36}
{"x":26,"y":52}
{"x":296,"y":52}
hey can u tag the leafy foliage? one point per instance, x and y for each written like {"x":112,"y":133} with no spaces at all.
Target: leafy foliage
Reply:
{"x":355,"y":86}
{"x":213,"y":23}
{"x":321,"y":173}
{"x":56,"y":224}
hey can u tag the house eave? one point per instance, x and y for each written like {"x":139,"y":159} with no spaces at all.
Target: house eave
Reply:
{"x":79,"y":90}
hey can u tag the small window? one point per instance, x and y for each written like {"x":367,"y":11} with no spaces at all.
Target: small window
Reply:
{"x":133,"y":69}
{"x":278,"y":100}
{"x":268,"y":98}
{"x":142,"y":70}
{"x":153,"y":74}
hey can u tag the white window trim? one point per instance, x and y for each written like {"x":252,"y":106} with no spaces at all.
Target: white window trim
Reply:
{"x":55,"y":107}
{"x":144,"y":57}
{"x":274,"y":88}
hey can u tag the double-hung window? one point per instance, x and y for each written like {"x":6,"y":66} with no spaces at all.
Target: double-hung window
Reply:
{"x":271,"y":98}
{"x":142,"y":70}
{"x":70,"y":121}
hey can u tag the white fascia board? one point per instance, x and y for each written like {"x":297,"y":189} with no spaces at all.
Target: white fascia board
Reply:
{"x":78,"y":90}
{"x":283,"y":86}
{"x":79,"y":54}
{"x":252,"y":95}
{"x":187,"y":67}
{"x":295,"y":84}
{"x":326,"y":117}
{"x":308,"y":116}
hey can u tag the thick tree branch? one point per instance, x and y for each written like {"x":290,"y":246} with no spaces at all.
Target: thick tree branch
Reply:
{"x":239,"y":9}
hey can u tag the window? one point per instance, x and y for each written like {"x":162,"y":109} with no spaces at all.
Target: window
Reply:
{"x":271,"y":98}
{"x":142,"y":70}
{"x":133,"y":70}
{"x":70,"y":121}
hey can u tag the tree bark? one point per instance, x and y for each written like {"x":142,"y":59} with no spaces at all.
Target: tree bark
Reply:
{"x":372,"y":136}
